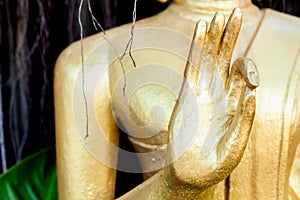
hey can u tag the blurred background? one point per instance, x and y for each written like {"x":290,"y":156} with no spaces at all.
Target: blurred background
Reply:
{"x":32,"y":35}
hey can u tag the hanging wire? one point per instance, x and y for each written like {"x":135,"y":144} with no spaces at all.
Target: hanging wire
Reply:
{"x":128,"y":47}
{"x":96,"y":25}
{"x":129,"y":44}
{"x":82,"y":68}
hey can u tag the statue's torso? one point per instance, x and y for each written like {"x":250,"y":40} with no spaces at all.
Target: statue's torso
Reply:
{"x":272,"y":41}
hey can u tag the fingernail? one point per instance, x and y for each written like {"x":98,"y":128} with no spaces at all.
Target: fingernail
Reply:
{"x":252,"y":75}
{"x":237,"y":12}
{"x":253,"y":79}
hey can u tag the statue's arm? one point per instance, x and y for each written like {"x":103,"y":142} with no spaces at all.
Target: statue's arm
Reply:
{"x":80,"y":174}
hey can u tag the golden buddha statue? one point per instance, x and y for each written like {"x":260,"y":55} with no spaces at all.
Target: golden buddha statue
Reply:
{"x":211,"y":103}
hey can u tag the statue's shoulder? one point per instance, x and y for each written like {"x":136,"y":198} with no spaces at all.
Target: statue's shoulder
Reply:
{"x":280,"y":22}
{"x":101,"y":44}
{"x":277,"y":37}
{"x":71,"y":56}
{"x":275,"y":49}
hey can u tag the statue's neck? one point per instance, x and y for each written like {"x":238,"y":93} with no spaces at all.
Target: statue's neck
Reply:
{"x":222,"y":5}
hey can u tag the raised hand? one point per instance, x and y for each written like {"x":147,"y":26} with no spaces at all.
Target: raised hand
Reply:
{"x":211,"y":121}
{"x":213,"y":116}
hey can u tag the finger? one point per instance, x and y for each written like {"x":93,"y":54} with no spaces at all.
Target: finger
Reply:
{"x":191,"y":70}
{"x":243,"y":72}
{"x":192,"y":66}
{"x":229,"y":38}
{"x":197,"y":46}
{"x":233,"y":144}
{"x":214,"y":34}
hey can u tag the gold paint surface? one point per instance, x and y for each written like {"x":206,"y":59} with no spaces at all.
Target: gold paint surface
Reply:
{"x":269,"y":168}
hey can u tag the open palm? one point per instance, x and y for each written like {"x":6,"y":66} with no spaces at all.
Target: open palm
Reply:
{"x":212,"y":119}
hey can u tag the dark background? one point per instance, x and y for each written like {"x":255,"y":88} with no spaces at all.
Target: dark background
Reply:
{"x":32,"y":35}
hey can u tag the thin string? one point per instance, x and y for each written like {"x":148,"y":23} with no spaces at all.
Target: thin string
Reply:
{"x":96,"y":23}
{"x":98,"y":26}
{"x":129,"y":44}
{"x":82,"y":69}
{"x":94,"y":20}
